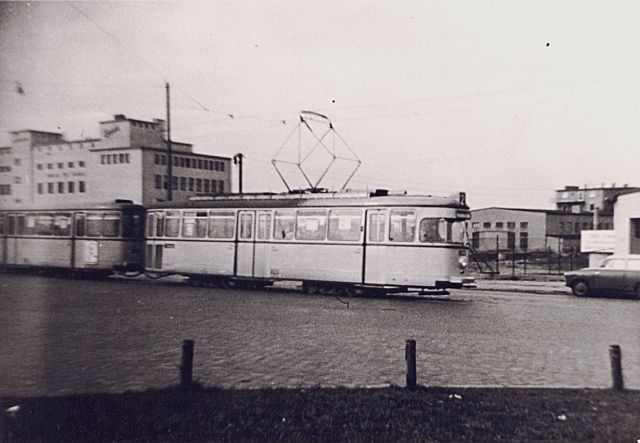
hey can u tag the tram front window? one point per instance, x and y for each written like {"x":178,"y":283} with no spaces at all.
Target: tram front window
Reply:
{"x":440,"y":230}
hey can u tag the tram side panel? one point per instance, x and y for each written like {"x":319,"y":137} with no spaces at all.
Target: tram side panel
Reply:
{"x":39,"y":252}
{"x":319,"y":261}
{"x":410,"y":265}
{"x":191,"y":257}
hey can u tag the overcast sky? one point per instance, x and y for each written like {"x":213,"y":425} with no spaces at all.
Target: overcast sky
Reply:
{"x":505,"y":100}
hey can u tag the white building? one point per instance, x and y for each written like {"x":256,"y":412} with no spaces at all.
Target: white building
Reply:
{"x":128,"y":162}
{"x":626,"y":224}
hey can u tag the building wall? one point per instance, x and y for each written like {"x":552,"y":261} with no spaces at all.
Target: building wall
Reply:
{"x":627,"y":224}
{"x":490,"y":223}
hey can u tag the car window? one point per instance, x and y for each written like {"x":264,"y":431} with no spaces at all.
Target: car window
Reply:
{"x":615,"y":263}
{"x":634,"y":264}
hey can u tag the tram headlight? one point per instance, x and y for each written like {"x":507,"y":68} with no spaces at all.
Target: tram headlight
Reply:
{"x":463,"y":262}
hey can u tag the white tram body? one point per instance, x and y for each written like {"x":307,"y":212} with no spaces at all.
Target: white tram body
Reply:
{"x":99,"y":239}
{"x":321,"y":239}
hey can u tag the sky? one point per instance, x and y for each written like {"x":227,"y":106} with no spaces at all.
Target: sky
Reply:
{"x":504,"y":100}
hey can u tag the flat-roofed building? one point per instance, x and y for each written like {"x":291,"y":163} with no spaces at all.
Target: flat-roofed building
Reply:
{"x":521,"y":229}
{"x":128,"y":162}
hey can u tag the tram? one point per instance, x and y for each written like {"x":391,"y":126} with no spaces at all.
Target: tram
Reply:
{"x":329,"y":241}
{"x":96,"y":240}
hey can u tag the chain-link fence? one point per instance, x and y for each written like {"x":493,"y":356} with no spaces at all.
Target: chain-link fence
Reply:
{"x":553,"y":256}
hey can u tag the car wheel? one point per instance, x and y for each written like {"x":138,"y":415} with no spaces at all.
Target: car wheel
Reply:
{"x":580,"y":288}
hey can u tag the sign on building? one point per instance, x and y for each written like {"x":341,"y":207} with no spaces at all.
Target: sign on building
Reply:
{"x":597,"y":241}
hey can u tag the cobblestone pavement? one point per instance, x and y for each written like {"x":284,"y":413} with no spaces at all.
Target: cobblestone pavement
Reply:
{"x":63,"y":336}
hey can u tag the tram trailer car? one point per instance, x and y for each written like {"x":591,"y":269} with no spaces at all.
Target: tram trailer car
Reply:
{"x":96,"y":240}
{"x":329,"y":241}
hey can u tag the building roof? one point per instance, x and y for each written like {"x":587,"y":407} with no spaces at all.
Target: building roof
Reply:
{"x":544,"y":211}
{"x":597,"y":188}
{"x":35,"y":131}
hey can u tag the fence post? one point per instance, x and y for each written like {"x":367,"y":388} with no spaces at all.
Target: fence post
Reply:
{"x":615,"y":356}
{"x":186,"y":368}
{"x":513,"y":260}
{"x":497,"y":254}
{"x":559,"y":255}
{"x":410,"y":358}
{"x":525,"y":261}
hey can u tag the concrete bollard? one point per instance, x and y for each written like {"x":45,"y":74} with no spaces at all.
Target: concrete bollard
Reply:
{"x":186,"y":368}
{"x":615,"y":356}
{"x":410,"y":358}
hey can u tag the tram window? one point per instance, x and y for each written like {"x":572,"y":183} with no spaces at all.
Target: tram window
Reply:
{"x":111,"y":224}
{"x":94,"y":224}
{"x":151,"y":224}
{"x":44,"y":224}
{"x":246,"y":226}
{"x":11,"y":225}
{"x":377,"y":222}
{"x":29,"y":227}
{"x":62,"y":225}
{"x":457,"y":231}
{"x":431,"y":230}
{"x":264,"y":226}
{"x":345,"y":224}
{"x":1,"y":224}
{"x":80,"y":225}
{"x":194,"y":224}
{"x":132,"y":225}
{"x":284,"y":224}
{"x":159,"y":225}
{"x":20,"y":225}
{"x":402,"y":225}
{"x":172,"y":224}
{"x":221,"y":224}
{"x":311,"y":224}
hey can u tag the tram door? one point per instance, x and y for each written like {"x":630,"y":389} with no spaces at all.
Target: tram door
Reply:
{"x":245,"y":251}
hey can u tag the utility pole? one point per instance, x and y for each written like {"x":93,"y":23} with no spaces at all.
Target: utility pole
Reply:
{"x":169,"y":153}
{"x":237,"y":160}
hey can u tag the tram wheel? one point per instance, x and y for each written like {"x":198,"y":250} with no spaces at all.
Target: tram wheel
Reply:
{"x":349,"y":291}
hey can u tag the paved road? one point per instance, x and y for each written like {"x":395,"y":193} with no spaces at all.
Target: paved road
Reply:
{"x":63,"y":336}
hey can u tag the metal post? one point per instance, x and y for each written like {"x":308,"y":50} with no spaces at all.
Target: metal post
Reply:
{"x":186,"y":368}
{"x":410,"y":358}
{"x":513,"y":260}
{"x":169,"y":152}
{"x":559,"y":255}
{"x":497,"y":254}
{"x":616,"y":367}
{"x":525,"y":261}
{"x":237,"y":159}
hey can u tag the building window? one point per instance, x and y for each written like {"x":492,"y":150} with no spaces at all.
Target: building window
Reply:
{"x":39,"y":165}
{"x":206,"y":185}
{"x":50,"y":188}
{"x":524,"y":226}
{"x":17,"y":162}
{"x":40,"y":188}
{"x":121,"y":158}
{"x":635,"y":226}
{"x":60,"y":165}
{"x":475,"y":240}
{"x":183,"y":184}
{"x":182,"y":162}
{"x":71,"y":187}
{"x":511,"y":240}
{"x":163,"y":160}
{"x":213,"y":187}
{"x":158,"y":182}
{"x":475,"y":225}
{"x":524,"y":240}
{"x":81,"y":164}
{"x":198,"y":185}
{"x":191,"y":184}
{"x":174,"y":183}
{"x":576,"y":228}
{"x":486,"y":225}
{"x":60,"y":187}
{"x":499,"y":225}
{"x":156,"y":159}
{"x":511,"y":225}
{"x":216,"y":166}
{"x":187,"y":162}
{"x":17,"y":180}
{"x":220,"y":186}
{"x":70,"y":165}
{"x":49,"y":165}
{"x":176,"y":161}
{"x":81,"y":187}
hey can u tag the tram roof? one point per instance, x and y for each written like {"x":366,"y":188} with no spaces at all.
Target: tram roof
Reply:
{"x":323,"y":199}
{"x":112,"y":205}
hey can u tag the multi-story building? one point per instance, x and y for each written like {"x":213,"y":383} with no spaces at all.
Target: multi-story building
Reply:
{"x":627,"y":224}
{"x":128,"y":162}
{"x":598,"y":201}
{"x":521,"y":229}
